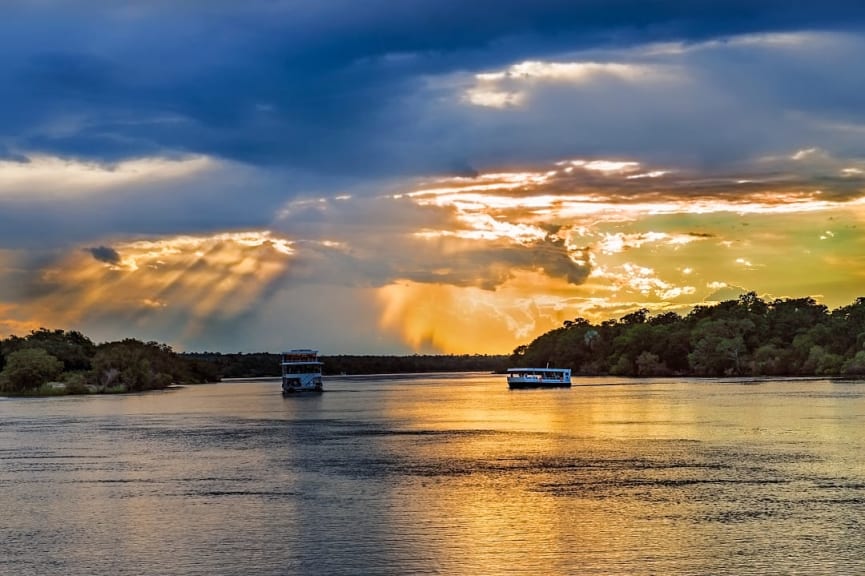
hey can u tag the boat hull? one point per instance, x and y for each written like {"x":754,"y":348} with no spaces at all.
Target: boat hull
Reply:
{"x":304,"y":385}
{"x":532,"y":385}
{"x":297,"y":391}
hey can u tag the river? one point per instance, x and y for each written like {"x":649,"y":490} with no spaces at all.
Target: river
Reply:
{"x":438,"y":474}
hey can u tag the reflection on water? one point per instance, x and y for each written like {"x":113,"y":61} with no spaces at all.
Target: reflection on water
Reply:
{"x":438,"y":475}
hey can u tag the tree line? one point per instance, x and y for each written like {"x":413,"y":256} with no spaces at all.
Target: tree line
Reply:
{"x":743,"y":337}
{"x":746,"y":336}
{"x":262,"y":364}
{"x":49,"y":362}
{"x":60,"y":362}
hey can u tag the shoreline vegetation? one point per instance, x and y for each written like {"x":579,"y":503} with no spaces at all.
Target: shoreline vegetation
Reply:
{"x":265,"y":364}
{"x":58,"y":363}
{"x":746,"y":337}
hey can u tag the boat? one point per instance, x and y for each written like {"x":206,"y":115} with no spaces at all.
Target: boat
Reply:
{"x":539,"y":377}
{"x":301,"y":371}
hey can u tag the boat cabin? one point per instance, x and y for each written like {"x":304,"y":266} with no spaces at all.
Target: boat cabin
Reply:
{"x":539,"y":377}
{"x":301,"y":371}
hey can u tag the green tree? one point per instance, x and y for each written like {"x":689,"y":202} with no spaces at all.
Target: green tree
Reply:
{"x":72,"y":348}
{"x":29,"y":369}
{"x":135,"y":366}
{"x":719,"y":346}
{"x":822,"y":363}
{"x":848,"y":328}
{"x":734,"y":337}
{"x":790,"y":318}
{"x":649,"y":364}
{"x":623,"y":366}
{"x":770,"y":360}
{"x":855,"y":366}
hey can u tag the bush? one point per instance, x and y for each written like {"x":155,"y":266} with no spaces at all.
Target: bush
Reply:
{"x":855,"y":366}
{"x":76,"y":383}
{"x":28,"y":369}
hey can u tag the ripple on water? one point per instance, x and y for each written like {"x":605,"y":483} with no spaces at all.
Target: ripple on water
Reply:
{"x":666,"y":478}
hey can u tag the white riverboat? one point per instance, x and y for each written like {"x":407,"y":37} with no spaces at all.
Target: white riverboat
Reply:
{"x":301,"y":371}
{"x":539,"y":377}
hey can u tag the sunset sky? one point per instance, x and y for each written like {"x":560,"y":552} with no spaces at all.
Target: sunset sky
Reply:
{"x":433,"y":176}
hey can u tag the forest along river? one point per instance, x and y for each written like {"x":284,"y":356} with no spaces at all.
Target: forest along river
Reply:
{"x":438,"y":475}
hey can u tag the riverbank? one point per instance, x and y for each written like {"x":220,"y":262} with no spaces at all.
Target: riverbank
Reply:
{"x":57,"y":389}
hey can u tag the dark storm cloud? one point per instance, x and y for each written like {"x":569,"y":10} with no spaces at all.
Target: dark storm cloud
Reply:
{"x":493,"y":264}
{"x":331,"y":85}
{"x":105,"y":254}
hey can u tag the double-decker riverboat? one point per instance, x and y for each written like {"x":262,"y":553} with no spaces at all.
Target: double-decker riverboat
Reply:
{"x":301,"y":371}
{"x":539,"y":377}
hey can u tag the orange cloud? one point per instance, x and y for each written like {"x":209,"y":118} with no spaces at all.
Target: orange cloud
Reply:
{"x":654,"y":238}
{"x":447,"y":319}
{"x":181,"y":279}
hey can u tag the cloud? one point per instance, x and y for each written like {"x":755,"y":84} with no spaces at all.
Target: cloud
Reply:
{"x":722,"y":291}
{"x":33,"y":178}
{"x":617,"y":144}
{"x":521,"y":250}
{"x":105,"y":254}
{"x":372,"y":242}
{"x":50,"y":202}
{"x":511,"y":87}
{"x":318,"y":87}
{"x":174,"y":285}
{"x":489,"y":264}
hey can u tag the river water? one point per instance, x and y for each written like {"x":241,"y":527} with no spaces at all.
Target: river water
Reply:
{"x":438,"y":475}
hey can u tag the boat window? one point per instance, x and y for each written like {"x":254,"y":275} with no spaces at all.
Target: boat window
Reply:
{"x":302,"y":369}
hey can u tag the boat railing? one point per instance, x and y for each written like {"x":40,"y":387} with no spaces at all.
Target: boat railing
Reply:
{"x":539,"y":375}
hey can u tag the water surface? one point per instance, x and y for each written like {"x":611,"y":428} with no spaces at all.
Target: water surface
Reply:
{"x":438,"y":475}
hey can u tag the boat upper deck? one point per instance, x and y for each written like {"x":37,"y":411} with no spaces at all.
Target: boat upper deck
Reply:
{"x":302,"y":356}
{"x":541,"y":371}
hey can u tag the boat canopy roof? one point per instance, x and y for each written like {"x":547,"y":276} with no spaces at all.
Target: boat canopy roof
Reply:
{"x":300,"y":355}
{"x":536,"y":370}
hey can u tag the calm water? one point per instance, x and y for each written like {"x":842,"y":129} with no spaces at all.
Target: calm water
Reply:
{"x":434,"y":475}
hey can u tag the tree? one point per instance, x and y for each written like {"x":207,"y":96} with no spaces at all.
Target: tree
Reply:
{"x":734,"y":337}
{"x":667,"y":318}
{"x":753,"y":304}
{"x":719,"y":346}
{"x":635,"y":317}
{"x":622,"y":367}
{"x":29,"y":369}
{"x":136,"y":366}
{"x":789,"y":318}
{"x":822,"y":363}
{"x":856,"y":365}
{"x":72,"y":348}
{"x":770,"y":360}
{"x":649,"y":364}
{"x":849,"y":328}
